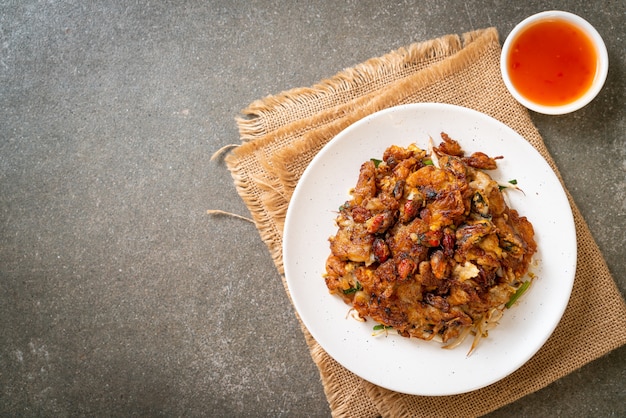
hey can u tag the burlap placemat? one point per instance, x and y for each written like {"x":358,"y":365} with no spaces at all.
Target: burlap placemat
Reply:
{"x":281,"y":134}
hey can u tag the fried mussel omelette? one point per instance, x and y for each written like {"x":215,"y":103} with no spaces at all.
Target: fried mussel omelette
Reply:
{"x":428,"y":246}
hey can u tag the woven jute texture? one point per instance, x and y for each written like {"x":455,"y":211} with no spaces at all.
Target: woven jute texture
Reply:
{"x":282,"y":133}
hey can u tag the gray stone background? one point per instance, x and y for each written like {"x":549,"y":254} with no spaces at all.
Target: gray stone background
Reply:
{"x":119,"y":296}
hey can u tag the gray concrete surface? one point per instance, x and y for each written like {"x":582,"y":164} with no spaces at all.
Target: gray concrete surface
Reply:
{"x":119,"y":296}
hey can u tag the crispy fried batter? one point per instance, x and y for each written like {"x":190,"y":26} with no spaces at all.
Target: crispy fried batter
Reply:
{"x":428,"y":250}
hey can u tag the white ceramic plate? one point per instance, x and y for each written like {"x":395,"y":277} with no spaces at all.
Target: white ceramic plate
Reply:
{"x":414,"y":366}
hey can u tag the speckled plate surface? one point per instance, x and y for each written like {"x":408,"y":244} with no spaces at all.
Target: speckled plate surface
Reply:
{"x":414,"y":366}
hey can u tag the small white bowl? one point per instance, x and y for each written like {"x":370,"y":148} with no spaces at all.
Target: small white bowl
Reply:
{"x":602,"y":65}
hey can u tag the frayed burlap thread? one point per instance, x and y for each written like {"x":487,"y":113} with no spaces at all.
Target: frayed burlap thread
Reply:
{"x":282,"y":133}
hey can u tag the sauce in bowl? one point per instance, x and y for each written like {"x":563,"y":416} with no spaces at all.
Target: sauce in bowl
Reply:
{"x":552,"y":62}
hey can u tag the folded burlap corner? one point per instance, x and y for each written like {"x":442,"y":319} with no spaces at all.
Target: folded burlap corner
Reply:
{"x":282,"y":133}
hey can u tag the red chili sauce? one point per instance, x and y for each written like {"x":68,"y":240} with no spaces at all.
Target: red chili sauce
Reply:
{"x":552,"y":63}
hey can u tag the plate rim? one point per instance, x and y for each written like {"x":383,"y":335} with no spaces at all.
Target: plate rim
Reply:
{"x":439,"y":107}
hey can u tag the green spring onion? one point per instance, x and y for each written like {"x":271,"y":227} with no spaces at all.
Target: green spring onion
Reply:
{"x":520,"y":291}
{"x":502,"y":187}
{"x":354,"y":289}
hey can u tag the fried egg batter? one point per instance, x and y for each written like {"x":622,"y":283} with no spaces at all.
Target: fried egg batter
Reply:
{"x":427,"y":244}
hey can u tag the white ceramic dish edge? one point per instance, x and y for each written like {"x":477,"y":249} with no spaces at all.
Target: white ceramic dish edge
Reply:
{"x":409,"y":365}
